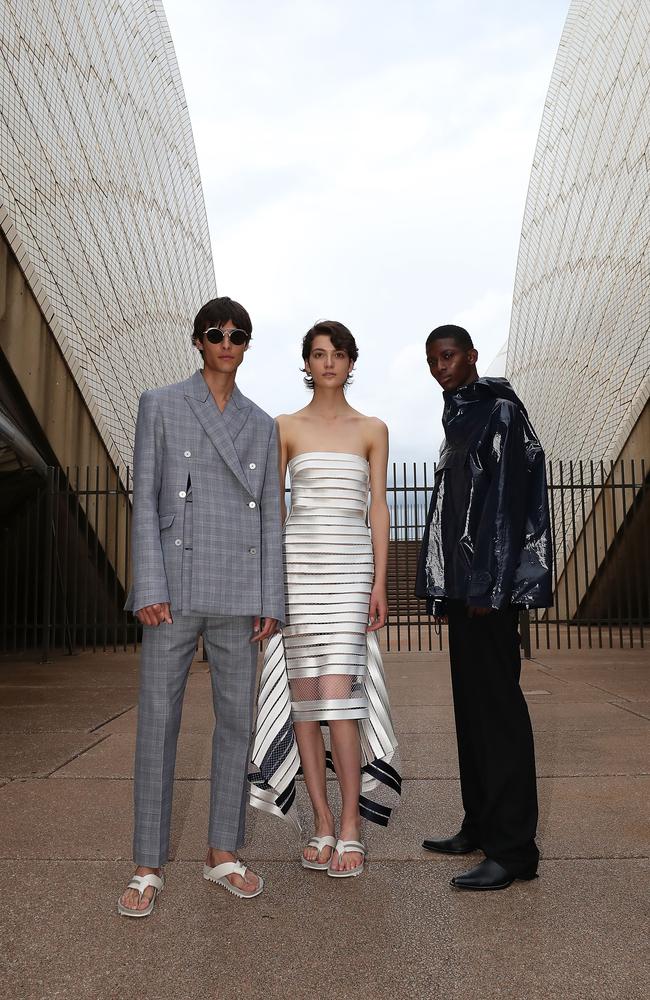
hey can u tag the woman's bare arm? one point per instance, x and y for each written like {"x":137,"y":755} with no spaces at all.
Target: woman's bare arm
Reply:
{"x":282,"y":423}
{"x":379,"y":521}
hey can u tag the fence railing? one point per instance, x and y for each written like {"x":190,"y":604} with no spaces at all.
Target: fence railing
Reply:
{"x":64,"y":564}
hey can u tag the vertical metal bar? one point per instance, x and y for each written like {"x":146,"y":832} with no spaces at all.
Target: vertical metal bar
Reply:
{"x":116,"y":553}
{"x":416,"y":532}
{"x":61,"y":604}
{"x":645,"y":559}
{"x":585,"y":545}
{"x":127,"y":557}
{"x":37,"y":532}
{"x":574,"y":553}
{"x":615,"y":539}
{"x":57,"y":635}
{"x":103,"y":549}
{"x":603,"y":488}
{"x":407,"y":575}
{"x":22,"y":569}
{"x":65,"y":503}
{"x":396,"y":563}
{"x":74,"y":597}
{"x":48,"y":564}
{"x":594,"y":529}
{"x":96,"y":560}
{"x":624,"y":534}
{"x":565,"y":572}
{"x":86,"y":560}
{"x":552,"y":490}
{"x":441,"y":626}
{"x":425,"y":477}
{"x":637,"y":507}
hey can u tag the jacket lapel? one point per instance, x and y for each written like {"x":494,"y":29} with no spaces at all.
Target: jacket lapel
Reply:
{"x":236,"y":413}
{"x":214,"y":422}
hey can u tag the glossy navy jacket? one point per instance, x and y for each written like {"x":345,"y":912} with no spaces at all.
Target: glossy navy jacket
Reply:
{"x":487,"y":539}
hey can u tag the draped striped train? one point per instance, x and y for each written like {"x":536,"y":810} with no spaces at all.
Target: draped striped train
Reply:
{"x":325,"y":665}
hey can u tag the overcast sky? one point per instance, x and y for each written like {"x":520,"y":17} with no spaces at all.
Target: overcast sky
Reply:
{"x":366,"y":161}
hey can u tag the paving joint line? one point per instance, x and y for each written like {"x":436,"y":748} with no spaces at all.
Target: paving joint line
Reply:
{"x":629,"y":709}
{"x":79,"y":753}
{"x":112,"y":718}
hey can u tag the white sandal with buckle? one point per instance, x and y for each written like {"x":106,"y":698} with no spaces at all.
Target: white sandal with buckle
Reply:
{"x":218,"y":875}
{"x":319,"y":843}
{"x":142,"y":882}
{"x":348,"y":847}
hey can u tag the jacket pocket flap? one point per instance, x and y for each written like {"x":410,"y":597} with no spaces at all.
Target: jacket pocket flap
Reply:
{"x":166,"y":520}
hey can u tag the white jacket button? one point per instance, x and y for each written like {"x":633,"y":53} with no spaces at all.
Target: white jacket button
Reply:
{"x":253,"y":551}
{"x":252,"y":465}
{"x":252,"y":504}
{"x":178,"y":541}
{"x":188,"y":454}
{"x":182,"y":494}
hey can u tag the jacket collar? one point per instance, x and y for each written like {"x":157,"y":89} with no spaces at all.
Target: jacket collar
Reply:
{"x":221,"y":428}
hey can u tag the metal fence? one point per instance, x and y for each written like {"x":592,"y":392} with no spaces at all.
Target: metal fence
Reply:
{"x":64,"y":565}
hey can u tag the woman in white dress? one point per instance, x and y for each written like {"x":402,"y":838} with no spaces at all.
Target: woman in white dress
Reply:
{"x":325,"y":667}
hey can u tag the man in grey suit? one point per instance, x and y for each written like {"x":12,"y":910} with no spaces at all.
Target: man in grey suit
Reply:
{"x":207,"y":559}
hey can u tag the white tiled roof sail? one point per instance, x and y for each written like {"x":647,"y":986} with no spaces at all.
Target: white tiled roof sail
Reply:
{"x":100,"y":195}
{"x":578,"y":350}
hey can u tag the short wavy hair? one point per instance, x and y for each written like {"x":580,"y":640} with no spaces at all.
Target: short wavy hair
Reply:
{"x":341,"y":338}
{"x":216,"y":312}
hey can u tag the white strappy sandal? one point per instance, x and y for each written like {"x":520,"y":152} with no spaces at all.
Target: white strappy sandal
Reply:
{"x":348,"y":847}
{"x":142,"y":882}
{"x":319,"y":843}
{"x":218,"y":876}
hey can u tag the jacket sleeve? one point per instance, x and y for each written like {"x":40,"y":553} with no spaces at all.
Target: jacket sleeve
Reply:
{"x":502,"y":517}
{"x":149,"y":577}
{"x":272,"y":558}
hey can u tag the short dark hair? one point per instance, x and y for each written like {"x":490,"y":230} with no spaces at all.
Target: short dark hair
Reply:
{"x":341,"y":338}
{"x":216,"y":312}
{"x":457,"y":333}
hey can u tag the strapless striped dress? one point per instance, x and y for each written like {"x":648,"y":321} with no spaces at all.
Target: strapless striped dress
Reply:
{"x":324,"y":665}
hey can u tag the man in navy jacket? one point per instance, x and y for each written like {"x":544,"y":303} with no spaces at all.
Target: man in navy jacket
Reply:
{"x":486,"y":554}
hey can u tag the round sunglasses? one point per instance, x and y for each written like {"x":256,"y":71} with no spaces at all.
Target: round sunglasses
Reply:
{"x":236,"y":337}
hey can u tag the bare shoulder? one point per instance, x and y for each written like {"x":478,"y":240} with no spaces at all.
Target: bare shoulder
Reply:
{"x":287,"y":419}
{"x":288,"y":425}
{"x":376,"y":430}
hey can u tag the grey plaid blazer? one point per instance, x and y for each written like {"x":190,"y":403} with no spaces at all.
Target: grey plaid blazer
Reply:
{"x":231,"y":461}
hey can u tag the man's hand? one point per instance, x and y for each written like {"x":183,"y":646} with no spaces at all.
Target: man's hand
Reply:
{"x":478,"y":612}
{"x":264,"y":628}
{"x":155,"y":614}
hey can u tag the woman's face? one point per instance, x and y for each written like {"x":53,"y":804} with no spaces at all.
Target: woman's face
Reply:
{"x":329,"y":366}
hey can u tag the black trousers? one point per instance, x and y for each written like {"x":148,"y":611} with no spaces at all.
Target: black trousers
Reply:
{"x":496,"y":754}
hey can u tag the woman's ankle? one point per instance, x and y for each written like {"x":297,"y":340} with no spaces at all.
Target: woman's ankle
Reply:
{"x":323,"y":819}
{"x":352,"y":822}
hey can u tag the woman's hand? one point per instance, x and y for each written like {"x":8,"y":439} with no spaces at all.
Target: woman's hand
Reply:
{"x":378,"y":610}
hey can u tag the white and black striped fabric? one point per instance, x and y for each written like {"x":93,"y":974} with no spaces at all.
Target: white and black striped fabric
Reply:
{"x":325,"y":665}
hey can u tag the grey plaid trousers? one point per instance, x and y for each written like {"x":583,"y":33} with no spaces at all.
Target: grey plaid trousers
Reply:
{"x":167,"y":654}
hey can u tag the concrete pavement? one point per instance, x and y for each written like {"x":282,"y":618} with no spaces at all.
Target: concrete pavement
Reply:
{"x":580,"y":930}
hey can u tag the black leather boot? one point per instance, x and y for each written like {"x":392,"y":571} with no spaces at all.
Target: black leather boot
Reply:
{"x":460,"y":844}
{"x":491,"y":875}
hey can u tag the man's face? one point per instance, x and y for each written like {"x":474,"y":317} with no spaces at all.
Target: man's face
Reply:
{"x":225,"y":357}
{"x":450,"y":365}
